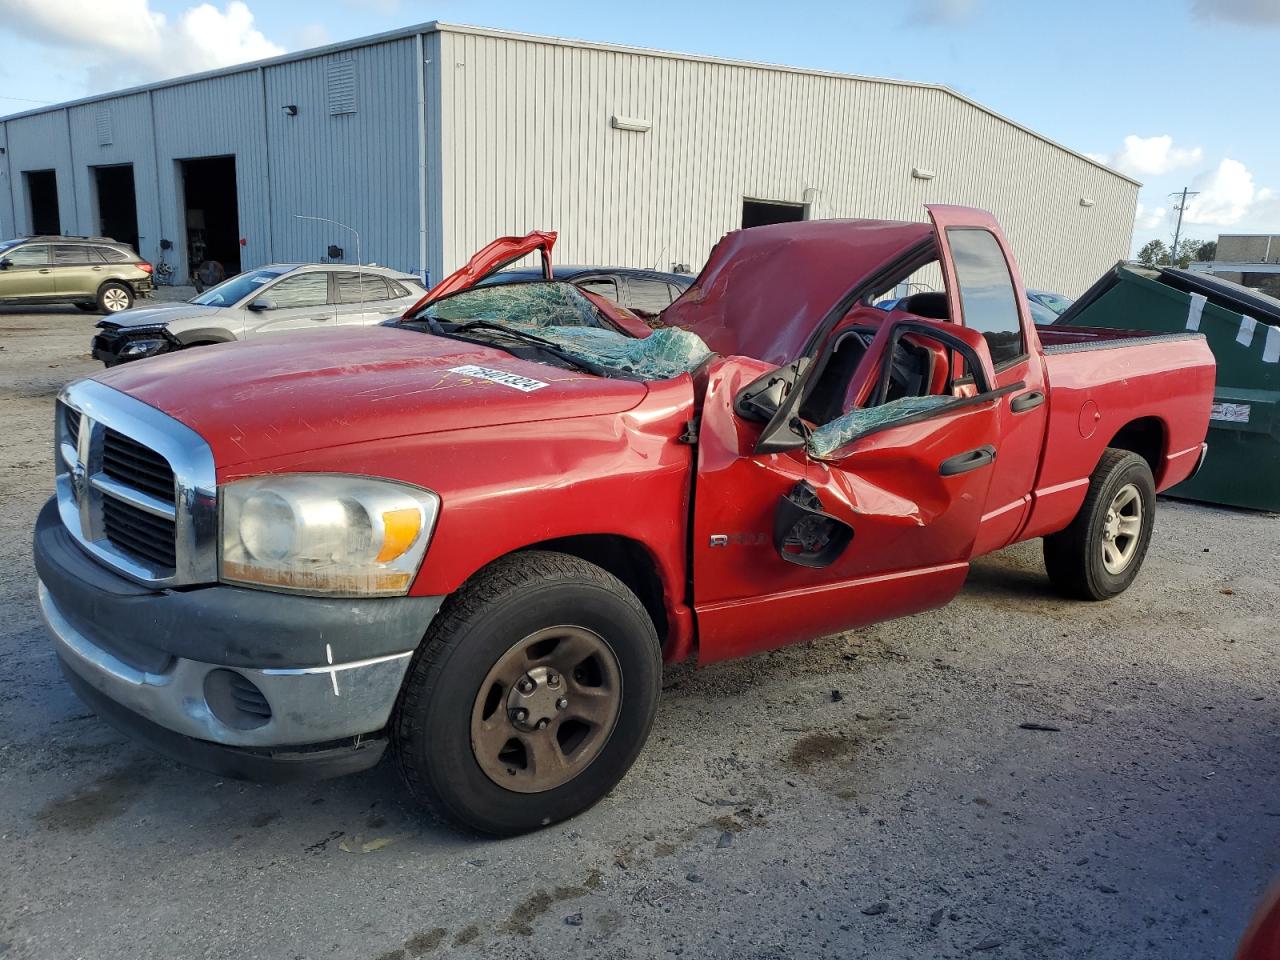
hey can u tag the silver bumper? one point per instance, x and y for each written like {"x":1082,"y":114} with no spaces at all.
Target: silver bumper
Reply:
{"x":308,"y":705}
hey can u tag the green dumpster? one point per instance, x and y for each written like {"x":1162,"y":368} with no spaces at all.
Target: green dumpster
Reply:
{"x":1242,"y":468}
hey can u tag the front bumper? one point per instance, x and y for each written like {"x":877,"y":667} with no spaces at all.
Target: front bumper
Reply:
{"x":114,"y":345}
{"x":244,"y":682}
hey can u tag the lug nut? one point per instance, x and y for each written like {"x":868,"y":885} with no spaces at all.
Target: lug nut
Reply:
{"x":525,"y":685}
{"x":521,"y":716}
{"x":562,"y":703}
{"x":553,"y":680}
{"x":542,"y":724}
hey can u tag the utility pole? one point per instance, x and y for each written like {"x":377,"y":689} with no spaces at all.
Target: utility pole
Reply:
{"x":1180,"y":207}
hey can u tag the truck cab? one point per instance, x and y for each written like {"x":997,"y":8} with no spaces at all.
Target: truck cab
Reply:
{"x":473,"y":537}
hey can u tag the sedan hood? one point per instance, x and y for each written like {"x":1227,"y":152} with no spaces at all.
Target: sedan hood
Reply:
{"x":164,"y":313}
{"x":254,"y":400}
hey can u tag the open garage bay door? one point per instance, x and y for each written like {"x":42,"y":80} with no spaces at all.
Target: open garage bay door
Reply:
{"x":117,"y":203}
{"x":212,"y":213}
{"x":42,"y":200}
{"x":757,"y":213}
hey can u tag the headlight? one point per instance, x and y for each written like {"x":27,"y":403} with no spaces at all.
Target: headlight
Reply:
{"x":325,"y":534}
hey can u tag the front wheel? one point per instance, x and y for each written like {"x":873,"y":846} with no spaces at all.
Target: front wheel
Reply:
{"x":530,"y":697}
{"x":1101,"y":552}
{"x":114,"y":297}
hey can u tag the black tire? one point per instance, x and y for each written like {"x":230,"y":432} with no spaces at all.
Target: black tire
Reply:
{"x":1074,"y":557}
{"x":511,"y":599}
{"x":111,"y":294}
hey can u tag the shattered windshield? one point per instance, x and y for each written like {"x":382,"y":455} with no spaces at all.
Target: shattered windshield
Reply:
{"x":561,"y":317}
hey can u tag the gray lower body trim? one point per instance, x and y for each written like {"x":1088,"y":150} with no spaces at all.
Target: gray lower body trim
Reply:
{"x":308,"y":704}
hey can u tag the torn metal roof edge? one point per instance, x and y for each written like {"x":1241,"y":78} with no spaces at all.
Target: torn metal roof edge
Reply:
{"x":436,"y":26}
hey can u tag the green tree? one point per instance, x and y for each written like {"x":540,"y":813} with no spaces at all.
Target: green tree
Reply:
{"x":1188,"y":250}
{"x":1207,"y":251}
{"x":1153,"y":254}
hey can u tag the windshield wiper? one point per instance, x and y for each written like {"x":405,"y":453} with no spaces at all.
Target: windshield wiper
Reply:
{"x":520,"y":336}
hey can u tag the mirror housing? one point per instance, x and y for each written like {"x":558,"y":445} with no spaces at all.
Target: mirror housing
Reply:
{"x":261,"y":303}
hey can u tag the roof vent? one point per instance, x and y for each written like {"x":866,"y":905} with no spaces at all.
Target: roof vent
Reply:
{"x":104,"y":126}
{"x":341,"y":85}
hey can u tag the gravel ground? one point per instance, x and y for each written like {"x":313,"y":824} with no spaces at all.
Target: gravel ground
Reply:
{"x":909,"y":816}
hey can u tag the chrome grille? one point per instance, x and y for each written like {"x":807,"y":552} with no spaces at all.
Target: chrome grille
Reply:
{"x":130,"y":462}
{"x":139,"y":532}
{"x":135,"y":487}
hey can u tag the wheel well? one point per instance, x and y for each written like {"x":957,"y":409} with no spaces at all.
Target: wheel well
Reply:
{"x":1145,"y":437}
{"x":117,"y":281}
{"x":628,"y":560}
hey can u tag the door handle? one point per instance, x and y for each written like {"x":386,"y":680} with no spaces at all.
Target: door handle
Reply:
{"x":1026,"y":401}
{"x":44,"y":269}
{"x":970,"y":460}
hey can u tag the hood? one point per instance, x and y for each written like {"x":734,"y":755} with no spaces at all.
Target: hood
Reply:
{"x":766,"y":289}
{"x":488,"y":260}
{"x":253,"y":400}
{"x":165,"y":313}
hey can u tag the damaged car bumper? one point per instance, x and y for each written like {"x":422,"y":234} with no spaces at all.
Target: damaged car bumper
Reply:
{"x":117,"y":344}
{"x":242,"y":682}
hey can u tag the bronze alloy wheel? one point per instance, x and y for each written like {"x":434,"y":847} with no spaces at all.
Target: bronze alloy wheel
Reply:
{"x":546,"y":709}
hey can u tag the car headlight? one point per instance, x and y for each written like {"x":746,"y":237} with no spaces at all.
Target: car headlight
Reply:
{"x":325,"y":534}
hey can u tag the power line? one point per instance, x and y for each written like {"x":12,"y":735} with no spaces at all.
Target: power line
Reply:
{"x":28,"y":100}
{"x":1180,"y":207}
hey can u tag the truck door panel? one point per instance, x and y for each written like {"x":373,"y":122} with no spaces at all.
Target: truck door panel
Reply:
{"x":986,"y":294}
{"x":913,"y":528}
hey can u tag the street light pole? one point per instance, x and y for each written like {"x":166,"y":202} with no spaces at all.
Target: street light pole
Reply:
{"x":359,"y":257}
{"x":1177,"y":231}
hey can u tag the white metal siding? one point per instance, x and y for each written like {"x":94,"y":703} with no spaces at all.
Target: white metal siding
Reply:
{"x":40,"y":142}
{"x":359,"y":167}
{"x":526,"y":143}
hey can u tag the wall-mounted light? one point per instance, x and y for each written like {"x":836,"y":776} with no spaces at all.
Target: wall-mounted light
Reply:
{"x":290,"y":109}
{"x":634,"y":124}
{"x":1086,"y":201}
{"x":922,"y":173}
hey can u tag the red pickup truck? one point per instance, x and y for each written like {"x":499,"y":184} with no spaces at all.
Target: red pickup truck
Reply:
{"x":476,"y":534}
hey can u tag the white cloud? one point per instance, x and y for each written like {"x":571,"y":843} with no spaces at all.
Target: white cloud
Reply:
{"x":1148,"y":219}
{"x":1150,"y":156}
{"x":1227,"y":195}
{"x":941,"y":11}
{"x":126,"y":41}
{"x":1238,"y":11}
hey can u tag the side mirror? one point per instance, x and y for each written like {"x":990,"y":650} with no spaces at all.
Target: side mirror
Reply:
{"x":262,"y":303}
{"x":6,"y":263}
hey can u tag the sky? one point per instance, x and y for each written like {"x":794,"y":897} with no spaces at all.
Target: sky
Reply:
{"x":1175,"y":93}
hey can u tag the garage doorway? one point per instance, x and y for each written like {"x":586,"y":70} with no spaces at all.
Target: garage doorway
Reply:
{"x":42,"y":201}
{"x":758,"y":213}
{"x":117,"y":203}
{"x":212,"y":215}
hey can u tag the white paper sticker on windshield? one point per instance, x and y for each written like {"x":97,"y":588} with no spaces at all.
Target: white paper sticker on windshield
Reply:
{"x":513,"y":380}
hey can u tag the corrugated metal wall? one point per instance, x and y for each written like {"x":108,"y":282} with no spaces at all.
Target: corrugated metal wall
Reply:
{"x":527,"y":143}
{"x":518,"y":136}
{"x":358,"y":167}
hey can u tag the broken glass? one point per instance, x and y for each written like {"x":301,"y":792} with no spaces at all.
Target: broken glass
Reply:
{"x":830,"y":437}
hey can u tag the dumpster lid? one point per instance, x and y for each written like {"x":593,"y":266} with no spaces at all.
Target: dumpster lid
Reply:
{"x":1224,"y":293}
{"x":1220,"y":292}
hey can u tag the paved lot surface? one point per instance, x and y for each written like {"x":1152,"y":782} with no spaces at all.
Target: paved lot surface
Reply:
{"x":912,"y":817}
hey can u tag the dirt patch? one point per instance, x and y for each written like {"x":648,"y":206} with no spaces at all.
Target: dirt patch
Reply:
{"x":468,"y":935}
{"x":423,"y":943}
{"x":265,"y":819}
{"x":536,"y":904}
{"x":101,"y":801}
{"x":821,"y":748}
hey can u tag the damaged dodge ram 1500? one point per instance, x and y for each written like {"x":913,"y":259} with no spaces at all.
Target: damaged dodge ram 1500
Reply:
{"x":477,"y":535}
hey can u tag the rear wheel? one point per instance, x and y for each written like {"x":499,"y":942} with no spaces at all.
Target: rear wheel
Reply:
{"x":1101,"y":552}
{"x":530,"y":697}
{"x":114,"y":297}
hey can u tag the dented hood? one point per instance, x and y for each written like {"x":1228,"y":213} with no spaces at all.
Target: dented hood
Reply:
{"x":488,"y":260}
{"x":766,"y":289}
{"x":255,"y":400}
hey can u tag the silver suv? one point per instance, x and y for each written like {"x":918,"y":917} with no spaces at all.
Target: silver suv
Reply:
{"x":279,"y":298}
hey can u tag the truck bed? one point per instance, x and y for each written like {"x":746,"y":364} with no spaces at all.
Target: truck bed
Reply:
{"x":1150,"y":391}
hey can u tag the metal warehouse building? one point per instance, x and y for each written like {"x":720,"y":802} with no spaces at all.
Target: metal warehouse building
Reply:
{"x":432,"y":140}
